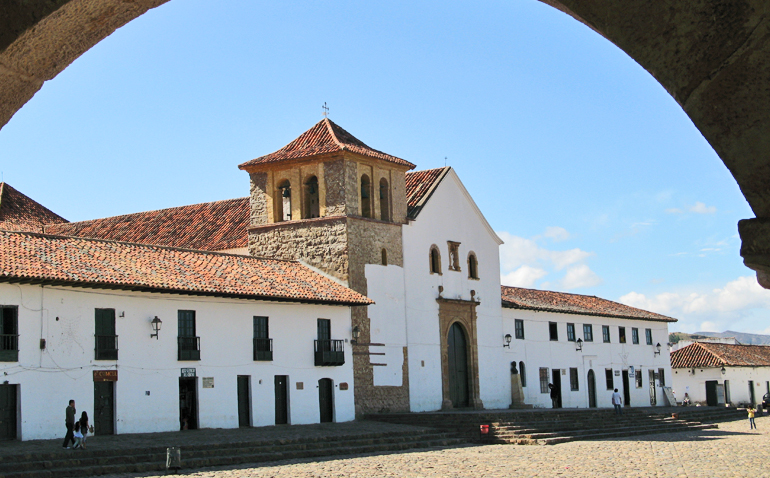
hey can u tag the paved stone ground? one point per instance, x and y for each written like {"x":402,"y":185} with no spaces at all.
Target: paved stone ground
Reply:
{"x":730,"y":451}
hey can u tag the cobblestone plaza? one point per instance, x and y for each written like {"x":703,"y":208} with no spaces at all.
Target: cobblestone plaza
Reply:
{"x":732,"y":450}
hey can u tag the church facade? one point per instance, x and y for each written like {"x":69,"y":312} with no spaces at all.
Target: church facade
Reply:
{"x":399,"y":287}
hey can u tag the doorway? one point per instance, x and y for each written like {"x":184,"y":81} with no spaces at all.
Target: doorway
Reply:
{"x":727,"y":391}
{"x":556,"y":380}
{"x":752,"y":398}
{"x":244,"y":401}
{"x":458,"y":366}
{"x":104,"y":408}
{"x":281,"y":399}
{"x":711,"y":393}
{"x":626,"y":390}
{"x":188,"y":403}
{"x":653,"y":394}
{"x":8,"y":412}
{"x":326,"y":400}
{"x":591,"y":389}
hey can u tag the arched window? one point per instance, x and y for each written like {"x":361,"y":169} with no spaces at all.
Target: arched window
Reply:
{"x":311,"y":208}
{"x":435,"y":260}
{"x":366,"y":196}
{"x":384,"y":257}
{"x":473,"y":266}
{"x":283,"y":204}
{"x":384,"y":200}
{"x":522,"y":374}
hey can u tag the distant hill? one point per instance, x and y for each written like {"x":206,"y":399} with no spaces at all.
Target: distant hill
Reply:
{"x":746,"y":339}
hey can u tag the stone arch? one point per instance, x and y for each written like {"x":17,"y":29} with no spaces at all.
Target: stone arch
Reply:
{"x":463,"y":314}
{"x":366,"y":196}
{"x":712,"y":57}
{"x":310,"y":201}
{"x":473,"y":266}
{"x":434,"y":260}
{"x":283,"y":201}
{"x":384,"y":200}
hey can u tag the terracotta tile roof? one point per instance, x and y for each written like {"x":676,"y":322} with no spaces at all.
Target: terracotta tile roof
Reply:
{"x":20,"y":213}
{"x":420,"y":186}
{"x":40,"y":258}
{"x":562,"y":302}
{"x":211,"y":226}
{"x":702,"y":354}
{"x":324,"y":137}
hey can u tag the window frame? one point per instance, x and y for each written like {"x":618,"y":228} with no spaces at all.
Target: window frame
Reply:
{"x":662,"y":377}
{"x":648,"y":336}
{"x":606,"y":334}
{"x":104,"y":321}
{"x":262,"y":344}
{"x":553,"y":331}
{"x":543,"y":374}
{"x":621,"y":335}
{"x":588,"y":333}
{"x":473,"y":266}
{"x":638,"y":378}
{"x":635,"y":335}
{"x":9,"y":340}
{"x":523,"y":374}
{"x":434,"y":260}
{"x":571,"y":332}
{"x":609,"y":378}
{"x":518,"y":326}
{"x":574,"y":382}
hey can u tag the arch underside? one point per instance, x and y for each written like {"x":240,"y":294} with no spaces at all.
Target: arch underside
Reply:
{"x":712,"y":57}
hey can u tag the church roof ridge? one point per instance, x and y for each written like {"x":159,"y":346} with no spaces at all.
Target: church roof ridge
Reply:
{"x":322,"y":138}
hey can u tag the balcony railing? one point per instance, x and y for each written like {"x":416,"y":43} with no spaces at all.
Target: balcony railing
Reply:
{"x":263,"y":349}
{"x":9,"y":348}
{"x":106,"y":347}
{"x":329,"y":352}
{"x":189,"y":348}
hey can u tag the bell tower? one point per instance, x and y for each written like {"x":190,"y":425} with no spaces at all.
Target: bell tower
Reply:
{"x":332,"y":202}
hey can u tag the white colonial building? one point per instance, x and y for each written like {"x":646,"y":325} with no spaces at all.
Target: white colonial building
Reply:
{"x":437,"y":331}
{"x":717,"y":373}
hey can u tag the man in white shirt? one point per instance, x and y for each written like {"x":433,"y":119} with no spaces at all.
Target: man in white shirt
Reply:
{"x":617,"y":401}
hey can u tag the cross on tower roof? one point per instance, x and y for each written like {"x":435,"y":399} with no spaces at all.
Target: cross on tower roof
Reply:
{"x":326,"y":110}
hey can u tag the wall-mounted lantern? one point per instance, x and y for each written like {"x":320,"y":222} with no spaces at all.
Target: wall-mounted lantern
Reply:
{"x":156,"y":323}
{"x":723,"y":370}
{"x":657,"y":349}
{"x":507,"y":340}
{"x":356,"y":332}
{"x":579,"y":345}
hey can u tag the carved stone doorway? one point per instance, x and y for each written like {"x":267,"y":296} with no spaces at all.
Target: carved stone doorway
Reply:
{"x":459,"y":354}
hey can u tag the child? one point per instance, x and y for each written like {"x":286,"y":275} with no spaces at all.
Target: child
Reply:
{"x":751,"y":419}
{"x":84,"y":428}
{"x":78,"y":436}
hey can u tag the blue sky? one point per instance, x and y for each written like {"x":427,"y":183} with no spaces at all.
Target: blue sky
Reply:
{"x":591,"y":173}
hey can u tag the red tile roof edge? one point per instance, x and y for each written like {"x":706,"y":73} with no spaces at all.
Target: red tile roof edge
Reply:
{"x":356,"y":298}
{"x":421,"y":192}
{"x":510,"y":304}
{"x":703,"y":354}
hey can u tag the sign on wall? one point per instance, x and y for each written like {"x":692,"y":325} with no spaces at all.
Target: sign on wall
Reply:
{"x":188,"y":372}
{"x":208,"y":382}
{"x":631,"y":372}
{"x":105,"y":375}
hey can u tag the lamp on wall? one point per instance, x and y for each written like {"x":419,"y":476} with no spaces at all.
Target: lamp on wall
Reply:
{"x":156,"y":323}
{"x":723,"y":370}
{"x":579,"y":345}
{"x":507,"y":340}
{"x":356,"y":332}
{"x":657,"y":349}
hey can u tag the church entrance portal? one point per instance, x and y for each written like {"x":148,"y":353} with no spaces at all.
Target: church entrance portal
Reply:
{"x":459,"y":354}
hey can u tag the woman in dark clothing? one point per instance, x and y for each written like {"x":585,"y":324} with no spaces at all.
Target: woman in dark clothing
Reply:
{"x":84,"y":427}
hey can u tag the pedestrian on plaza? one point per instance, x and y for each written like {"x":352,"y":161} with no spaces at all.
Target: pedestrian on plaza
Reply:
{"x":69,"y":421}
{"x":554,"y":396}
{"x":78,"y":436}
{"x":752,"y":425}
{"x":84,"y":428}
{"x":617,"y":401}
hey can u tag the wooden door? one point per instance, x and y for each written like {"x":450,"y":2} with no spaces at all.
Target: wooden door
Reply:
{"x":591,"y":389}
{"x":8,"y":408}
{"x":104,"y":408}
{"x":244,"y":402}
{"x":458,"y":366}
{"x":711,"y":393}
{"x":326,"y":400}
{"x":626,"y":390}
{"x":556,"y":380}
{"x":281,"y":399}
{"x":188,"y":402}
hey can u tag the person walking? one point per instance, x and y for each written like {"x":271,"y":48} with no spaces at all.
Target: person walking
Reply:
{"x":84,"y":428}
{"x":752,"y":425}
{"x":617,"y":401}
{"x":69,"y":421}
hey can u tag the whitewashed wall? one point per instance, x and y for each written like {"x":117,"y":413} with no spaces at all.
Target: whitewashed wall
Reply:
{"x":737,"y":377}
{"x":387,"y":322}
{"x":65,"y":318}
{"x":451,"y":215}
{"x":537,"y":350}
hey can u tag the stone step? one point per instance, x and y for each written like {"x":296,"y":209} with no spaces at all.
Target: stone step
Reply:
{"x":197,"y":457}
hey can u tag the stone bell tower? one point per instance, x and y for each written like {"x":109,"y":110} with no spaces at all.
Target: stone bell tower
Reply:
{"x":336,"y":204}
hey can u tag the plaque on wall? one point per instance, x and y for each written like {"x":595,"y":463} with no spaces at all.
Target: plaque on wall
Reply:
{"x":344,"y":386}
{"x":208,"y":382}
{"x":188,"y":372}
{"x":105,"y":375}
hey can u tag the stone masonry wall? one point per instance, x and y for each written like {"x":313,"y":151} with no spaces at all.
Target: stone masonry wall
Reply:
{"x":334,"y":181}
{"x":258,"y":198}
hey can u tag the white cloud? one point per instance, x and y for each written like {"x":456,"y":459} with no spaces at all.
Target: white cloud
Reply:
{"x":524,"y":276}
{"x":701,"y":208}
{"x":713,"y":310}
{"x":580,"y":276}
{"x":557,"y":234}
{"x":524,"y":261}
{"x":674,"y":210}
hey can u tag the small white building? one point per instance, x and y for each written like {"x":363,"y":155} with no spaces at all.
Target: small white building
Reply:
{"x":717,"y":374}
{"x":148,"y":338}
